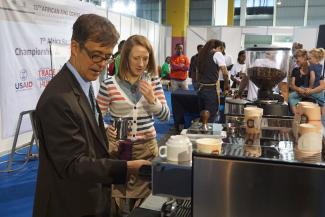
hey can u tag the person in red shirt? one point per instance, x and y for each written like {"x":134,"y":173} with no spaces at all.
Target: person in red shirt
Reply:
{"x":179,"y":66}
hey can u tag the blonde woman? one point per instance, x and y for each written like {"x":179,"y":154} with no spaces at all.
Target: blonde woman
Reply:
{"x":134,"y":93}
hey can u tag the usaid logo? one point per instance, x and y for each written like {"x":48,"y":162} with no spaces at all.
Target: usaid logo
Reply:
{"x":23,"y":82}
{"x":23,"y":75}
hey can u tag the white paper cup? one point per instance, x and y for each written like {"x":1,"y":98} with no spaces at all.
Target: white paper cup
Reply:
{"x":209,"y":145}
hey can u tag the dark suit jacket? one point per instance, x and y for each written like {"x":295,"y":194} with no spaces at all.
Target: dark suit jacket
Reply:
{"x":75,"y":172}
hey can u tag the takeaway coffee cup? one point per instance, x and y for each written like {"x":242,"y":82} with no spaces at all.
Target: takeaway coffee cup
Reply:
{"x":310,"y":113}
{"x":253,"y":119}
{"x":310,"y":138}
{"x":178,"y":149}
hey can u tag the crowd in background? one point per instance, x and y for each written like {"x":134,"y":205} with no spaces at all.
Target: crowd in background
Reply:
{"x":304,"y":79}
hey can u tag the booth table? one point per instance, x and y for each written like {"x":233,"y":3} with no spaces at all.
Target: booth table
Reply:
{"x":184,"y":101}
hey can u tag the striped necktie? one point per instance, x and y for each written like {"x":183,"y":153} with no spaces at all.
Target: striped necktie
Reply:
{"x":93,"y":101}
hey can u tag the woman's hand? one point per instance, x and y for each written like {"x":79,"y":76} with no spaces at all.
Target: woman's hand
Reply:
{"x":111,"y":132}
{"x":147,"y":91}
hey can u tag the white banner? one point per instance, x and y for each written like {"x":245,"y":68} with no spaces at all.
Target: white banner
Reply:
{"x":25,"y":64}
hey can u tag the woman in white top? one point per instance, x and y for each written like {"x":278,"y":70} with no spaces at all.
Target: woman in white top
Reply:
{"x":238,"y":69}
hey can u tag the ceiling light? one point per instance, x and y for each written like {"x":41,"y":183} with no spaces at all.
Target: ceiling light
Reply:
{"x":278,"y":2}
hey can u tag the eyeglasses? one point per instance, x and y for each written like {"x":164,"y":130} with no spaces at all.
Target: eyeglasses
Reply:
{"x":97,"y":58}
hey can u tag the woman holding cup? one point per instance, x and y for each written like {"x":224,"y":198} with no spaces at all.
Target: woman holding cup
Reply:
{"x":135,"y":94}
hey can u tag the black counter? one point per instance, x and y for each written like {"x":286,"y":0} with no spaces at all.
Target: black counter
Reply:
{"x":141,"y":212}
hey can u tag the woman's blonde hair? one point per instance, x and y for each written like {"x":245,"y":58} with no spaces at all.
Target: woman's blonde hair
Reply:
{"x":126,"y":50}
{"x":301,"y":53}
{"x":318,"y":53}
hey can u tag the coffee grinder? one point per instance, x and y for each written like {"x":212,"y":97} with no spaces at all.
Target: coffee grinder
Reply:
{"x":266,"y":68}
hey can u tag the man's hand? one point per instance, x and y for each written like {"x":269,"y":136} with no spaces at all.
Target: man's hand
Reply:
{"x":147,"y":91}
{"x":237,"y":95}
{"x":134,"y":166}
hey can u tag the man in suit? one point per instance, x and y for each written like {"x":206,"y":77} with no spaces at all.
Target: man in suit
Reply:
{"x":75,"y":172}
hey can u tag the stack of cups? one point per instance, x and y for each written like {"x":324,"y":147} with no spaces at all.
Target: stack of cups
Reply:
{"x":308,"y":132}
{"x":253,"y":122}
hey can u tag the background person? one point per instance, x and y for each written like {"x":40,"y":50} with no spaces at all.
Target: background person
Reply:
{"x":299,"y":79}
{"x":134,"y":93}
{"x":238,"y":69}
{"x":293,"y":61}
{"x":193,"y":67}
{"x":315,"y":90}
{"x":229,"y":64}
{"x":113,"y":67}
{"x":210,"y":59}
{"x":75,"y":170}
{"x":179,"y":65}
{"x":165,"y":69}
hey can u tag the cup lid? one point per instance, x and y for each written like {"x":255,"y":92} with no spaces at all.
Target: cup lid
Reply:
{"x":178,"y":140}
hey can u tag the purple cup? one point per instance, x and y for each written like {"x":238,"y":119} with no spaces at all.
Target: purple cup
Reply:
{"x":125,"y":150}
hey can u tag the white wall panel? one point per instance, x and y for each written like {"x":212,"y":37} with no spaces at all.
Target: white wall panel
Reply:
{"x":165,"y":41}
{"x":232,"y":38}
{"x":156,"y":44}
{"x":195,"y":36}
{"x":126,"y":23}
{"x":306,"y":36}
{"x":279,"y":30}
{"x":135,"y":27}
{"x":151,"y":32}
{"x":144,"y":27}
{"x":115,"y":19}
{"x":214,"y":33}
{"x":258,"y":30}
{"x":168,"y":37}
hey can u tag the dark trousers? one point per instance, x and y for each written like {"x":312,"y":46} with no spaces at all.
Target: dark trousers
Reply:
{"x":195,"y":85}
{"x":208,"y":100}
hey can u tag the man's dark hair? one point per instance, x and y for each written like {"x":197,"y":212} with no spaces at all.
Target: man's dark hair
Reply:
{"x":120,"y":45}
{"x":92,"y":27}
{"x":240,"y":53}
{"x":198,"y":47}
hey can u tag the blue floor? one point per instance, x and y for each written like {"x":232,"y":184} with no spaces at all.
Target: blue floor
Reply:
{"x":17,"y":188}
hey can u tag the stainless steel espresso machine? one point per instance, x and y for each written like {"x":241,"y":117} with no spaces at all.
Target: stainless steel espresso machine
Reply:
{"x":266,"y":68}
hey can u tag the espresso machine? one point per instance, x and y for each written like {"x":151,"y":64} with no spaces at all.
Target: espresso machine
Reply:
{"x":266,"y":68}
